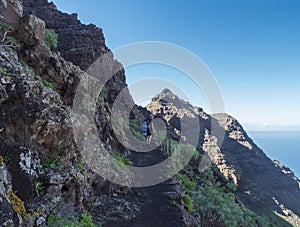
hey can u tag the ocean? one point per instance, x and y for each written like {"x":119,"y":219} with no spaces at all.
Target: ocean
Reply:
{"x":282,"y":146}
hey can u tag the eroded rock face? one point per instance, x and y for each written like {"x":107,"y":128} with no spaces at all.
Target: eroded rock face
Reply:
{"x":6,"y":211}
{"x":84,"y":45}
{"x":34,"y":26}
{"x":78,"y":43}
{"x":49,"y":65}
{"x":37,"y":88}
{"x":257,"y":178}
{"x":81,"y":44}
{"x":10,"y":11}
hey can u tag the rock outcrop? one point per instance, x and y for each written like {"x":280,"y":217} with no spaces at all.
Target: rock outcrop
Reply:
{"x":81,"y":44}
{"x":260,"y":182}
{"x":45,"y":171}
{"x":78,"y":43}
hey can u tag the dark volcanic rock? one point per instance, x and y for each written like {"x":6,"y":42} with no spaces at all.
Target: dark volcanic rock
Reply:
{"x":37,"y":87}
{"x":261,"y":184}
{"x":78,"y":43}
{"x":81,"y":44}
{"x":10,"y":11}
{"x":260,"y":181}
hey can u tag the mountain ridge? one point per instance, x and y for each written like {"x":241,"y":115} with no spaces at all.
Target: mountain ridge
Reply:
{"x":240,"y":165}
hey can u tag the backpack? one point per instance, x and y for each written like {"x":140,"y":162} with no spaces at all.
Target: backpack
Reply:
{"x":145,"y":128}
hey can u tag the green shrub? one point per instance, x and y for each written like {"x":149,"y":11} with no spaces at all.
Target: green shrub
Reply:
{"x":121,"y":162}
{"x":3,"y":71}
{"x":5,"y":27}
{"x":134,"y":125}
{"x":51,"y":38}
{"x":186,"y":183}
{"x":231,"y":187}
{"x":50,"y":161}
{"x":122,"y":159}
{"x":80,"y":166}
{"x":187,"y":200}
{"x":93,"y":136}
{"x":48,"y":84}
{"x":6,"y":39}
{"x":38,"y":186}
{"x":172,"y":146}
{"x":220,"y":208}
{"x":86,"y":220}
{"x":103,"y":92}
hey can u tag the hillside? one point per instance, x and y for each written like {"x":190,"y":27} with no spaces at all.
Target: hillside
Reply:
{"x":264,"y":186}
{"x":46,"y":178}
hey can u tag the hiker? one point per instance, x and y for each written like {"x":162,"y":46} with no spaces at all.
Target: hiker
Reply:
{"x":148,"y":128}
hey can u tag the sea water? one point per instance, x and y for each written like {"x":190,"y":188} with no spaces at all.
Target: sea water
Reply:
{"x":282,"y":146}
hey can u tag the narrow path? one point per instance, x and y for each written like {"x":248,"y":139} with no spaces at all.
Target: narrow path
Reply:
{"x":156,"y":208}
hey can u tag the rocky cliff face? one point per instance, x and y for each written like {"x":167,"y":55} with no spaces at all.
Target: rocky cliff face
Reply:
{"x":78,"y":43}
{"x":42,"y":172}
{"x":262,"y":185}
{"x":81,"y":44}
{"x":84,"y":46}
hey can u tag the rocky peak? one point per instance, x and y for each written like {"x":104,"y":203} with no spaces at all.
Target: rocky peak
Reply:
{"x":167,"y":96}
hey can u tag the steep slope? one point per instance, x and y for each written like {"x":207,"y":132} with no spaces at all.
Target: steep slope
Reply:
{"x":262,"y":185}
{"x":43,"y":177}
{"x":83,"y":45}
{"x":78,"y":43}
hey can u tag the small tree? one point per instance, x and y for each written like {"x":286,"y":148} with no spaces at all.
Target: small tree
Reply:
{"x":51,"y":38}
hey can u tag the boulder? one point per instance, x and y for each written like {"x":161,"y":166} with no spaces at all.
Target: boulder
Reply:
{"x":33,"y":26}
{"x":11,"y":11}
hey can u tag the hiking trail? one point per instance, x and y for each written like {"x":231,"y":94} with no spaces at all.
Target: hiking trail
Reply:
{"x":156,"y":208}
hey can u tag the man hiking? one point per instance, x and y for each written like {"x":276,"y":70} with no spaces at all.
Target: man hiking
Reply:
{"x":148,"y":128}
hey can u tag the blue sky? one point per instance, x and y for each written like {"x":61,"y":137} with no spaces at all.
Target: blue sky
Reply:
{"x":252,"y":48}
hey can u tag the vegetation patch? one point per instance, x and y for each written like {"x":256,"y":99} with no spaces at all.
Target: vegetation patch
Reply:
{"x":103,"y":93}
{"x":48,"y":84}
{"x":50,"y":161}
{"x":172,"y":146}
{"x":121,"y":162}
{"x":7,"y":40}
{"x":186,"y":183}
{"x":187,"y":200}
{"x":38,"y":187}
{"x":80,"y":166}
{"x":3,"y":71}
{"x":51,"y":38}
{"x":122,"y":159}
{"x":218,"y":207}
{"x":93,"y":136}
{"x":85,"y":220}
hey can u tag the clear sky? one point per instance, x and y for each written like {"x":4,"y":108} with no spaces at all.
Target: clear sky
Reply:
{"x":251,"y":46}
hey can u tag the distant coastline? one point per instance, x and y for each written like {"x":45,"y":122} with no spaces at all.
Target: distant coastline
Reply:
{"x":283,"y":146}
{"x":251,"y":127}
